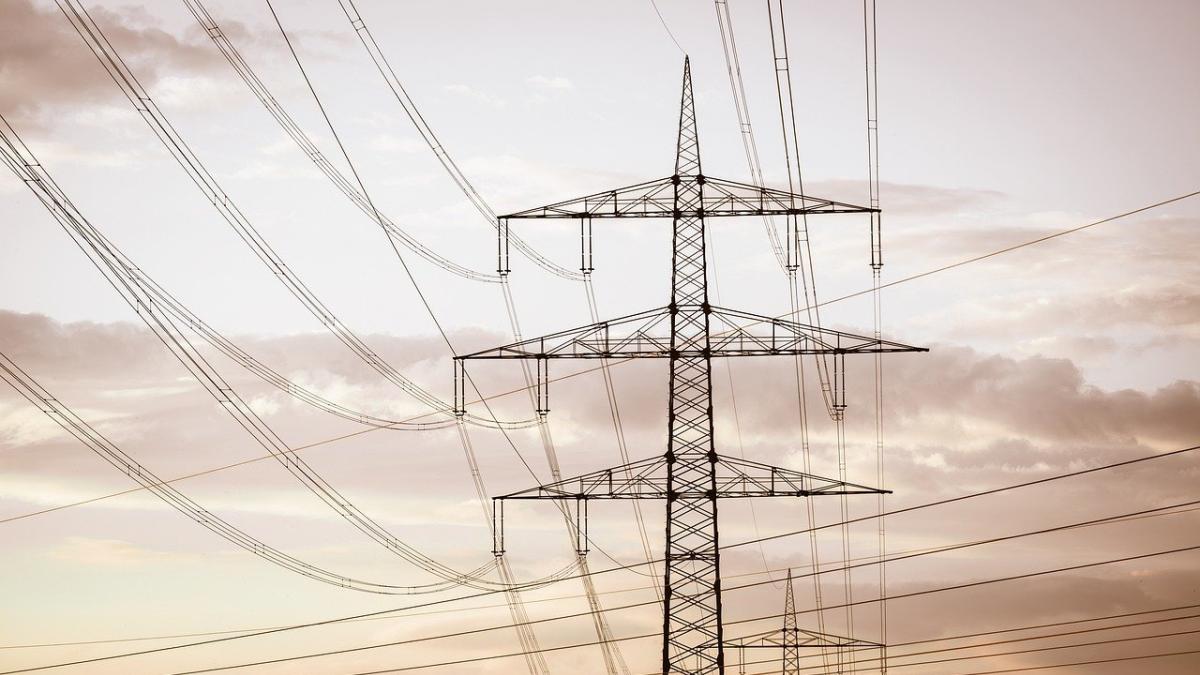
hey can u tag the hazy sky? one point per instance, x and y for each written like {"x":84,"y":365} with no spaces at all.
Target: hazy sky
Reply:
{"x":999,"y":121}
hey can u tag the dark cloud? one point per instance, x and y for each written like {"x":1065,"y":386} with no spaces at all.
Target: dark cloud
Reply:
{"x":83,"y":351}
{"x":954,"y":389}
{"x":43,"y":61}
{"x":1039,"y":397}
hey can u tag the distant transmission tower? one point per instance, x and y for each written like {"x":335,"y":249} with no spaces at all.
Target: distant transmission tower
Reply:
{"x":791,"y":639}
{"x":691,"y":476}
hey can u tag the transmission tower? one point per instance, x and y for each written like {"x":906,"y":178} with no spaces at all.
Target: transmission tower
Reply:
{"x":791,"y":639}
{"x":689,"y":332}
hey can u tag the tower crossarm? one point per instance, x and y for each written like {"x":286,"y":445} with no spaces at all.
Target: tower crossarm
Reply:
{"x":720,"y":197}
{"x":647,"y":479}
{"x":650,"y":479}
{"x":737,"y":333}
{"x":731,"y":333}
{"x":646,"y":335}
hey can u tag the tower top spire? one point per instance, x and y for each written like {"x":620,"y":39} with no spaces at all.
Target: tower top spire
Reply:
{"x":687,"y":150}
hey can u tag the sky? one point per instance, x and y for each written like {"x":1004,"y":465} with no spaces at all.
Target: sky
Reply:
{"x":1000,"y":123}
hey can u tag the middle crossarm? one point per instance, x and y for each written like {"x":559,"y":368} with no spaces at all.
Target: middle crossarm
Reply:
{"x":655,"y":199}
{"x":734,"y":333}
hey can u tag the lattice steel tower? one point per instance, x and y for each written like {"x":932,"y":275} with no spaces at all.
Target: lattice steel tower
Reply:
{"x":691,"y":476}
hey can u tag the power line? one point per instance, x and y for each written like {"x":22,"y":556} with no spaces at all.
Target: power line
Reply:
{"x":25,"y":165}
{"x":1106,"y":617}
{"x":612,"y":658}
{"x":516,"y":607}
{"x":750,"y":620}
{"x":294,"y":449}
{"x":663,"y":21}
{"x":1014,"y":247}
{"x":1161,"y":511}
{"x":1017,"y":652}
{"x":992,"y":491}
{"x":117,"y":70}
{"x":384,"y":66}
{"x":815,"y":574}
{"x":745,"y":129}
{"x":134,"y":292}
{"x":1030,"y":638}
{"x":478,"y":659}
{"x":649,"y":603}
{"x":609,"y":570}
{"x":636,"y":637}
{"x":1085,"y":663}
{"x":442,"y":664}
{"x":288,"y":124}
{"x":29,"y":388}
{"x":1094,"y":643}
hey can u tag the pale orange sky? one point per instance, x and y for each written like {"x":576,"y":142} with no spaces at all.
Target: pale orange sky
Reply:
{"x":1000,"y":122}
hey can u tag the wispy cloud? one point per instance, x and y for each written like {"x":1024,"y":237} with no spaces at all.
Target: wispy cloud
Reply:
{"x":547,"y":82}
{"x":475,"y":94}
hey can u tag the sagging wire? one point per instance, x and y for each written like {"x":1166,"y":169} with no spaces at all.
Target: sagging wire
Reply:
{"x":136,"y":94}
{"x":801,"y":280}
{"x":871,"y":74}
{"x":534,"y":661}
{"x":66,"y":418}
{"x":393,"y":82}
{"x":613,"y":659}
{"x":19,"y":159}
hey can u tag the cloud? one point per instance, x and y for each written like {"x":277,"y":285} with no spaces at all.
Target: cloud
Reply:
{"x":1037,"y":397}
{"x":390,"y":143}
{"x":178,"y":69}
{"x":544,"y":82}
{"x":108,"y":552}
{"x":1079,"y":318}
{"x":475,"y":94}
{"x":905,"y":198}
{"x":29,"y":80}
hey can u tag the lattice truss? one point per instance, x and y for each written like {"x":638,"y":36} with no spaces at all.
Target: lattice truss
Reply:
{"x":656,"y":199}
{"x":689,"y":332}
{"x":648,"y":335}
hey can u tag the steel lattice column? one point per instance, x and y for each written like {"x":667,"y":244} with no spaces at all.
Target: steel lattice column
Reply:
{"x":791,"y":632}
{"x":692,"y":637}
